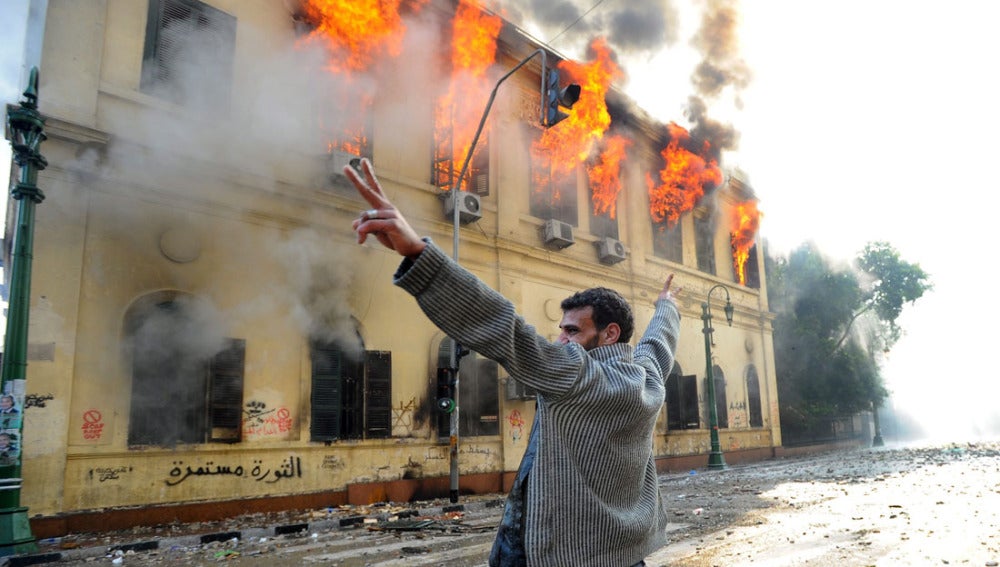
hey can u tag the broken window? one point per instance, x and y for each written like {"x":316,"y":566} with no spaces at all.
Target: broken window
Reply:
{"x":753,"y":398}
{"x":187,"y":382}
{"x":704,"y":240}
{"x":721,"y":407}
{"x":552,"y":192}
{"x":351,"y":396}
{"x":448,"y":160}
{"x":188,"y":54}
{"x":667,"y":242}
{"x":682,"y":400}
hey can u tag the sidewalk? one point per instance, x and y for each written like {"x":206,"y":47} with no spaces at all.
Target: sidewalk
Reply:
{"x":259,"y":529}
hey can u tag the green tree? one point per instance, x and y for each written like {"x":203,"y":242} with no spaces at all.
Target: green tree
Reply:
{"x":831,"y":325}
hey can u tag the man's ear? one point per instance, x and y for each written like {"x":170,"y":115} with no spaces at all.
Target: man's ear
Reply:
{"x":609,"y":335}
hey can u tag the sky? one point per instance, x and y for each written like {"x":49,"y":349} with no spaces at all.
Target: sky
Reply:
{"x":858,"y":120}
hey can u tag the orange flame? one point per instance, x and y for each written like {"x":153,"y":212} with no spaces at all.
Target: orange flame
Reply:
{"x":356,"y":31}
{"x":744,"y":221}
{"x":605,"y":175}
{"x":683,"y":178}
{"x":570,"y":143}
{"x":474,"y":45}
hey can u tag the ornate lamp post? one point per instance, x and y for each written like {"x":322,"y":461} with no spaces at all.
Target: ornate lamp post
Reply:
{"x":25,"y":132}
{"x":552,"y":99}
{"x":715,"y":458}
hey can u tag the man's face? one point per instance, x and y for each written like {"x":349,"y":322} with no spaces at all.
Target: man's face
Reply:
{"x":578,"y":327}
{"x":5,"y":403}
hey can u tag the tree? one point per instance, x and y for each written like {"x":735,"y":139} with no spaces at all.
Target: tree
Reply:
{"x":827,"y":362}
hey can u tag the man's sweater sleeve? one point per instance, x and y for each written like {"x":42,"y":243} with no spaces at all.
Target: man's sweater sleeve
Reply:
{"x":479,"y":318}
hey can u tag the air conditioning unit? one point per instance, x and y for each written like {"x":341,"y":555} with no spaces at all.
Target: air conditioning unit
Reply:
{"x":336,"y":161}
{"x":610,"y":251}
{"x":518,"y":391}
{"x":557,"y":234}
{"x":469,"y":207}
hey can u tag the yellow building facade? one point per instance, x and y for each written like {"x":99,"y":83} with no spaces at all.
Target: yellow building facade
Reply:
{"x":204,"y":329}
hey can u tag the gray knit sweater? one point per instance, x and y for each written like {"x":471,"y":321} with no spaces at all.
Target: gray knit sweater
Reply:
{"x":593,"y":498}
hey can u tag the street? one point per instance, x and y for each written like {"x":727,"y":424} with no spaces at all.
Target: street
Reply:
{"x":920,"y":505}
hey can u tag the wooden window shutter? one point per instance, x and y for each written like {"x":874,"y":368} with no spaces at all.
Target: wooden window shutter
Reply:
{"x":378,"y":394}
{"x":675,"y":417}
{"x":225,"y":395}
{"x":689,"y":401}
{"x":327,"y":388}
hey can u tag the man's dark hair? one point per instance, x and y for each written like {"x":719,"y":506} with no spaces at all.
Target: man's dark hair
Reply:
{"x":608,"y":307}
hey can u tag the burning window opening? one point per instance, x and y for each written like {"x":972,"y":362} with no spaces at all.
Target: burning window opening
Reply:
{"x":356,"y":33}
{"x":668,"y":241}
{"x":704,"y":240}
{"x":553,"y":192}
{"x":744,"y":221}
{"x":686,"y":177}
{"x":457,"y":112}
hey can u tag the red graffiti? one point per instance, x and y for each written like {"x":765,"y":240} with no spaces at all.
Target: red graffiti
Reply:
{"x":92,"y":424}
{"x":268,"y":424}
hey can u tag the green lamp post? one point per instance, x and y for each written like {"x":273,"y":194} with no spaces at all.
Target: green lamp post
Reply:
{"x":715,"y":458}
{"x":25,"y":132}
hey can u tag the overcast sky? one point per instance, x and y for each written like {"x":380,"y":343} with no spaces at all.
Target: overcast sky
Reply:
{"x":859,"y":120}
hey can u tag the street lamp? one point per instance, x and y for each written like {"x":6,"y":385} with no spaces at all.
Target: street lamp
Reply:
{"x":25,"y":132}
{"x":715,"y":458}
{"x":552,"y":99}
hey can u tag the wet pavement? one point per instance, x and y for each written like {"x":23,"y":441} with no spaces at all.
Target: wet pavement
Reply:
{"x":918,"y":505}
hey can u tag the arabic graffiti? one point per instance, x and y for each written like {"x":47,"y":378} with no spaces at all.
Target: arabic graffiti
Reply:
{"x":258,"y":421}
{"x":289,"y":468}
{"x":37,"y":400}
{"x":93,"y":424}
{"x":108,"y":473}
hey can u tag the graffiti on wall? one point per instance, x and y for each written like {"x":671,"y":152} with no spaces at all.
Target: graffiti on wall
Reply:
{"x":259,"y":421}
{"x":37,"y":400}
{"x":289,"y":468}
{"x":402,"y":418}
{"x":93,"y":424}
{"x":516,"y":425}
{"x":104,"y":474}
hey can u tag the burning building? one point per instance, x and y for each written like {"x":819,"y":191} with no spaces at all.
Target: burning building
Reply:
{"x":205,"y":330}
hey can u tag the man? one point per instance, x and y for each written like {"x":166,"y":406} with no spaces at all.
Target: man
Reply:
{"x":586,"y":493}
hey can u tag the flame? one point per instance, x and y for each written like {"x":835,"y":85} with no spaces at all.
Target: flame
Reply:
{"x":474,"y":46}
{"x":744,"y":221}
{"x":683,"y":177}
{"x":356,"y":32}
{"x":605,"y":175}
{"x":571,"y":142}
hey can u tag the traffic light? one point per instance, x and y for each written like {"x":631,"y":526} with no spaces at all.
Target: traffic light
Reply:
{"x":445,"y":390}
{"x":556,"y":97}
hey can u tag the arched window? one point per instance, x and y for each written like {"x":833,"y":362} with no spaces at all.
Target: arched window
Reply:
{"x":682,"y":400}
{"x":753,"y":398}
{"x":187,"y":378}
{"x":721,"y":407}
{"x":351,"y":393}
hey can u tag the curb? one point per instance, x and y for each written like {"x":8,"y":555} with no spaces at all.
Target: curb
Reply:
{"x":193,"y":541}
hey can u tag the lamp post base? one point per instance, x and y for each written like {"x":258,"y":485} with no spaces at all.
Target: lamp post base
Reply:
{"x":15,"y":532}
{"x":716,"y":461}
{"x":877,"y":441}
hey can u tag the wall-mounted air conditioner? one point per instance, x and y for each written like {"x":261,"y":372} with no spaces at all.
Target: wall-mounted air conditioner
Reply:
{"x":557,"y":234}
{"x":469,"y":207}
{"x":610,"y":251}
{"x":337,"y":159}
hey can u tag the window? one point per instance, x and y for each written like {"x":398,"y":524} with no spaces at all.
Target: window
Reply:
{"x":667,"y":242}
{"x":704,"y":229}
{"x":188,"y":56}
{"x":448,"y":160}
{"x":682,"y":400}
{"x":478,"y":395}
{"x":721,"y":407}
{"x":750,"y":269}
{"x":603,"y":224}
{"x":753,"y":398}
{"x":553,"y":190}
{"x":187,"y":387}
{"x":351,"y":398}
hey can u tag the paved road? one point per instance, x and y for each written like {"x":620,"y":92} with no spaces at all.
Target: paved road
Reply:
{"x":932,"y":505}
